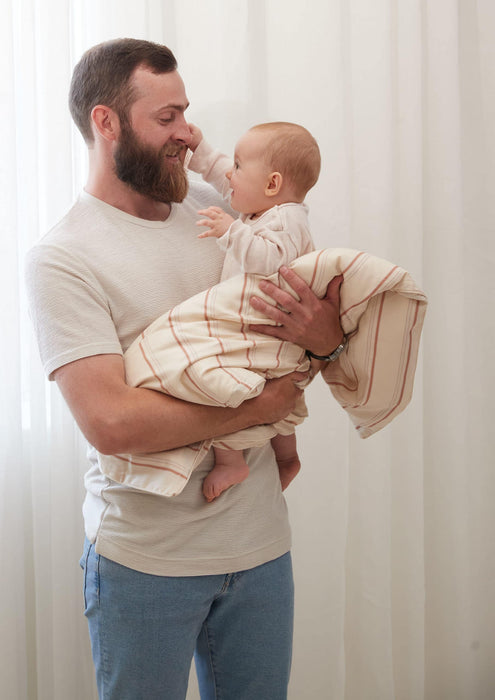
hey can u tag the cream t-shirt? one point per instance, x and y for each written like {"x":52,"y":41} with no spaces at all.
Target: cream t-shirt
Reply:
{"x":95,"y":282}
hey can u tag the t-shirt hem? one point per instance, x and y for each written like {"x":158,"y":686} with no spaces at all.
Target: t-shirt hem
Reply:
{"x":192,"y":567}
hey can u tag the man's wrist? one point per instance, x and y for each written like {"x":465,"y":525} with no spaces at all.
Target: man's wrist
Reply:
{"x":332,"y":356}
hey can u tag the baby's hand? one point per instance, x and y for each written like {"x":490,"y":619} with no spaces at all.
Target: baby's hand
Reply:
{"x":196,"y":136}
{"x":218,"y":222}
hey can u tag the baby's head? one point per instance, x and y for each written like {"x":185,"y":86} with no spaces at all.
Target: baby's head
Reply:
{"x":275,"y":163}
{"x":293,"y":152}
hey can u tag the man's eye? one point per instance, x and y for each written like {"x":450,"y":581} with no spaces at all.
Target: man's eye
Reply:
{"x":166,"y":120}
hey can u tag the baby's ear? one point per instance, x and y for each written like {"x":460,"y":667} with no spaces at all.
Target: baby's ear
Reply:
{"x":274,"y":184}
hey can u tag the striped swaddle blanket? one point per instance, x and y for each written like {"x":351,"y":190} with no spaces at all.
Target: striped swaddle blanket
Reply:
{"x":202,"y":351}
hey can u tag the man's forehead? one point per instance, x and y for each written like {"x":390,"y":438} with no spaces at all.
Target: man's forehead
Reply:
{"x":165,"y":89}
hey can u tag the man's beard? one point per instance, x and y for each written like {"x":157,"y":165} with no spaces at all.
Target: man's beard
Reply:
{"x":147,"y":171}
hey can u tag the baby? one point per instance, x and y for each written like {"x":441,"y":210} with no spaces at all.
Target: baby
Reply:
{"x":275,"y":164}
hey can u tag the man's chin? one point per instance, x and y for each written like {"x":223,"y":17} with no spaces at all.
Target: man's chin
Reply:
{"x":175,"y":190}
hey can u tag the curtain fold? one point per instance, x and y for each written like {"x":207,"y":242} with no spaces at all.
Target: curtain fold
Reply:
{"x":393,"y":557}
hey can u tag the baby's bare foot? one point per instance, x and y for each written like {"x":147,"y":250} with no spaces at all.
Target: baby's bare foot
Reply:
{"x":222,"y":477}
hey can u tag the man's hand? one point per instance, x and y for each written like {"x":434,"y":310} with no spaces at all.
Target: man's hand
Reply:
{"x":311,"y":323}
{"x":277,"y":400}
{"x":218,"y":222}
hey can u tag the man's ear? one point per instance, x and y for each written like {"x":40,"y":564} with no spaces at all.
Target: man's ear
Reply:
{"x":274,"y":184}
{"x":106,"y":122}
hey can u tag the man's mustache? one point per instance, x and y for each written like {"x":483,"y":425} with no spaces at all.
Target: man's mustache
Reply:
{"x":173,"y":149}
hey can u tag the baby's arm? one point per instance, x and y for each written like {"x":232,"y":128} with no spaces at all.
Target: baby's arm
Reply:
{"x":260,"y":253}
{"x":262,"y":247}
{"x":209,"y":163}
{"x":196,"y":137}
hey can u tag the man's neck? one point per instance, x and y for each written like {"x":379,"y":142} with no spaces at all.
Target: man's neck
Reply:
{"x":123,"y":197}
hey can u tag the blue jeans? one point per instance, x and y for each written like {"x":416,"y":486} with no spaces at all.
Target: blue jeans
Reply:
{"x":145,"y":630}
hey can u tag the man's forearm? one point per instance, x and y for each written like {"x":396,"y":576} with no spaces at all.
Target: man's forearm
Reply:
{"x":148,"y":421}
{"x":116,"y":418}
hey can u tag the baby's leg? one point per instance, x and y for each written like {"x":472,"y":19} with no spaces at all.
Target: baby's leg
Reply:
{"x":287,"y":458}
{"x":230,"y":468}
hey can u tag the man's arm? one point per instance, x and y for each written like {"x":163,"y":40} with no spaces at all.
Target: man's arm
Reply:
{"x":116,"y":418}
{"x":311,"y":323}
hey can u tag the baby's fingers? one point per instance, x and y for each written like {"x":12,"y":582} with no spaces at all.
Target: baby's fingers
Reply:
{"x":211,"y":212}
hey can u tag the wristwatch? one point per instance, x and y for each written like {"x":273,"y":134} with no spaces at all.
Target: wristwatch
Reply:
{"x":333,"y":355}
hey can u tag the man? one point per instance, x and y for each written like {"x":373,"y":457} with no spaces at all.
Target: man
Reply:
{"x":164,"y":578}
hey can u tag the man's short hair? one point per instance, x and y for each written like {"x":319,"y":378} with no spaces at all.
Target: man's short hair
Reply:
{"x":103,"y":76}
{"x":293,"y":152}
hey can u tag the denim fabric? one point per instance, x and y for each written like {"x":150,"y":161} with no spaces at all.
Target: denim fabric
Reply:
{"x":145,"y":630}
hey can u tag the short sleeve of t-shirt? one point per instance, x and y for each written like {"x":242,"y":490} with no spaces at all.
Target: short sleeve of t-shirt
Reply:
{"x":100,"y":276}
{"x":70,"y":314}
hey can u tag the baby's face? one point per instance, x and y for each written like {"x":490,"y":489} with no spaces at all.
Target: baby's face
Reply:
{"x":249,"y":176}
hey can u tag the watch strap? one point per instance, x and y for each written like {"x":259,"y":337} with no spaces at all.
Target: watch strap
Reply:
{"x":332,"y":356}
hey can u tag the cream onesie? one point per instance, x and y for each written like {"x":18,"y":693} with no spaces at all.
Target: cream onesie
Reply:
{"x":258,"y":246}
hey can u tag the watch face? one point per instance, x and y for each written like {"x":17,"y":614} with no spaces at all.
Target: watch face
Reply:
{"x":333,"y":356}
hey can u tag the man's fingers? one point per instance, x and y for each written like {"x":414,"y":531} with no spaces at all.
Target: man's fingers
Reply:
{"x":275,"y":331}
{"x":283,"y":299}
{"x":271,"y":311}
{"x":333,"y":289}
{"x":295,"y":282}
{"x":299,"y":376}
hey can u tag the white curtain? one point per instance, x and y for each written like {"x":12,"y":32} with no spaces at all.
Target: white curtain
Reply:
{"x":393,"y":536}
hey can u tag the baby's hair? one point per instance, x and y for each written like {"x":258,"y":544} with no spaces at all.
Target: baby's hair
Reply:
{"x":292,"y":151}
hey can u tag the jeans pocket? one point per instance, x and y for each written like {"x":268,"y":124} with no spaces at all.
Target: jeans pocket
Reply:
{"x":90,"y":565}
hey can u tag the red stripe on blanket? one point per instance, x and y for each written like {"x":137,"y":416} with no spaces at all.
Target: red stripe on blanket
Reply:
{"x":279,"y":352}
{"x":200,"y":388}
{"x":404,"y":374}
{"x":352,"y":262}
{"x":373,"y":362}
{"x":236,"y":378}
{"x":315,"y":268}
{"x":152,"y":369}
{"x":207,"y":319}
{"x":189,"y":360}
{"x":241,"y":318}
{"x":151,"y":466}
{"x":375,"y":290}
{"x":218,"y":356}
{"x":177,"y":339}
{"x":347,"y":388}
{"x":222,"y":444}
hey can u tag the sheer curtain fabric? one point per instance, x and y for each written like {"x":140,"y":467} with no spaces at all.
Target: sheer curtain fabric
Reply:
{"x":393,"y":552}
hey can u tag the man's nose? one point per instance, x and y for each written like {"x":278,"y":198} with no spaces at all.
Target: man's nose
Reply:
{"x":182,"y":131}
